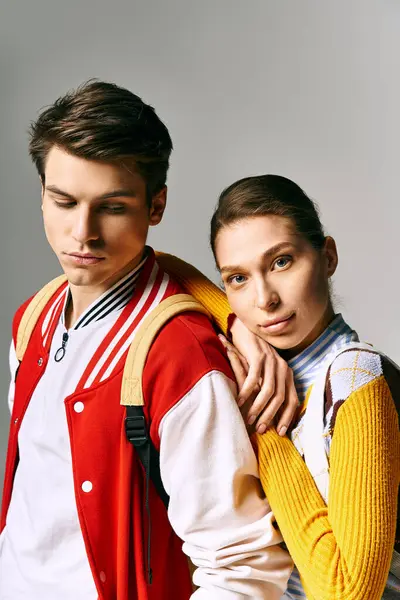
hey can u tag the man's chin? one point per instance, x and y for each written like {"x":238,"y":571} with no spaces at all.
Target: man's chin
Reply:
{"x":82,"y":276}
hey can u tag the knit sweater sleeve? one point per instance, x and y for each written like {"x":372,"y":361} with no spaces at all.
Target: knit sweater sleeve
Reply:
{"x":199,"y":286}
{"x":342,"y":550}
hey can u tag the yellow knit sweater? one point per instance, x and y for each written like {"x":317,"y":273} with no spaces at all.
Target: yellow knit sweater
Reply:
{"x":343,"y":550}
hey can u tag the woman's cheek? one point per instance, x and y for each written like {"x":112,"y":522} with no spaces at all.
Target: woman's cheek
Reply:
{"x":240,"y":306}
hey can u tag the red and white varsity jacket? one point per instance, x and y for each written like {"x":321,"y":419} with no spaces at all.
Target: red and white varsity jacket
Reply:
{"x":207,"y":464}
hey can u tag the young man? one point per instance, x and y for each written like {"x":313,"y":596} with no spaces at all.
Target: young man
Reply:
{"x":74,"y":524}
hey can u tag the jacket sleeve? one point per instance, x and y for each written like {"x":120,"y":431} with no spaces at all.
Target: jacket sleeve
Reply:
{"x":199,"y":286}
{"x":342,"y":550}
{"x":217,"y":507}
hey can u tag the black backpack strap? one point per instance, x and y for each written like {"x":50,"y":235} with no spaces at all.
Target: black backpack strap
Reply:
{"x":138,"y":435}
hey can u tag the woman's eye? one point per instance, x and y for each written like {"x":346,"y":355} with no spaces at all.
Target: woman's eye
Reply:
{"x":237,"y":279}
{"x":282,"y":262}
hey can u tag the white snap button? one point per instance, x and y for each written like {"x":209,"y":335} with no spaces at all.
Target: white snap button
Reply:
{"x":16,"y":421}
{"x":78,"y":407}
{"x":87,"y":486}
{"x":40,"y":362}
{"x":103,"y":577}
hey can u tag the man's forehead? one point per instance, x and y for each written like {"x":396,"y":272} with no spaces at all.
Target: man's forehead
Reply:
{"x":64,"y":169}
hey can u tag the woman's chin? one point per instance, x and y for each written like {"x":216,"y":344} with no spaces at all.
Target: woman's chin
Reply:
{"x":287,"y":345}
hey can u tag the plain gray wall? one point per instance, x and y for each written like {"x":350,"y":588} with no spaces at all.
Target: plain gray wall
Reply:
{"x":305,"y":88}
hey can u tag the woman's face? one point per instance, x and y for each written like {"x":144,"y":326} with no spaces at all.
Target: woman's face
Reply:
{"x":276,"y":282}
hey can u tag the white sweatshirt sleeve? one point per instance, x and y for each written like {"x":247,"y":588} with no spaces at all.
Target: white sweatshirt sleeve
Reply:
{"x":217,"y":507}
{"x":14,"y":363}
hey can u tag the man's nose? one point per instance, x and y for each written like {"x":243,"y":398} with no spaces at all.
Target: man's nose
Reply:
{"x":85,"y":226}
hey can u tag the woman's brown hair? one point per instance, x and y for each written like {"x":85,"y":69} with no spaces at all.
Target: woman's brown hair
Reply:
{"x":268,"y":195}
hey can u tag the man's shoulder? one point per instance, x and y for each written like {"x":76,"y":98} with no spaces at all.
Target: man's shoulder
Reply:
{"x":44,"y":296}
{"x":185,"y":353}
{"x":185,"y":350}
{"x":18,"y":316}
{"x":189,"y":340}
{"x":190,"y":332}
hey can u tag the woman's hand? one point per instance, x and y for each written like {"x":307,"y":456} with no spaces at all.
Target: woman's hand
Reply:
{"x":262,"y":375}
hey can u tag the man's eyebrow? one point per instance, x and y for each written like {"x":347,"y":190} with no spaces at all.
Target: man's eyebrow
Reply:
{"x":122,"y":193}
{"x":119,"y":193}
{"x":56,"y":190}
{"x":267,"y":254}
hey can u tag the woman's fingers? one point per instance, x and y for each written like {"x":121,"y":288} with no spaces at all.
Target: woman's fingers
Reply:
{"x":268,"y":410}
{"x":265,"y":384}
{"x":237,"y":362}
{"x":251,"y":349}
{"x":290,"y":406}
{"x":251,"y":383}
{"x":268,"y":388}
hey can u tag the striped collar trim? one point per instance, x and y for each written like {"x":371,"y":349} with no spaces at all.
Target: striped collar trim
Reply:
{"x":336,"y":333}
{"x":112,"y":300}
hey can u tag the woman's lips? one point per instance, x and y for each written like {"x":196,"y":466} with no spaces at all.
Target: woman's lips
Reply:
{"x":277,"y":325}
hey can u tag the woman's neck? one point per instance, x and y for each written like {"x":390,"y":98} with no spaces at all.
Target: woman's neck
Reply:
{"x":312,"y":336}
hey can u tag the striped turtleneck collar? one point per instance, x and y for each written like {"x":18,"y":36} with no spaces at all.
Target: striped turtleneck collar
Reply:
{"x":305,"y":364}
{"x":113,"y":300}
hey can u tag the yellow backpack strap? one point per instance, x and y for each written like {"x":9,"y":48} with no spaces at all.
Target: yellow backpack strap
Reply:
{"x":33,"y":312}
{"x":132,"y":390}
{"x":132,"y":398}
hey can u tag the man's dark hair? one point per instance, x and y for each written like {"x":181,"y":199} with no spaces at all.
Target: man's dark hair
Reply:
{"x":104,"y":122}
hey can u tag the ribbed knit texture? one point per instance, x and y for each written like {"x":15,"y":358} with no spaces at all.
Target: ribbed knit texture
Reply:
{"x":343,"y":550}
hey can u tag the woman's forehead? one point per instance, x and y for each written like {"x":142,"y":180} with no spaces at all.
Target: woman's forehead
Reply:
{"x":253,"y":237}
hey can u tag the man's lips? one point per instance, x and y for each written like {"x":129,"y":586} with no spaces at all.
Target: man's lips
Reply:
{"x":277,"y":325}
{"x":84,"y":258}
{"x":83,"y":255}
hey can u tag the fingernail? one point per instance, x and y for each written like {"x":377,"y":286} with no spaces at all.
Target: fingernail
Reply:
{"x":251,"y":419}
{"x":282,"y":431}
{"x":241,"y":401}
{"x":261,"y":428}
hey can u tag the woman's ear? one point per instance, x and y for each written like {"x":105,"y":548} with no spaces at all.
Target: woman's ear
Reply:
{"x":331,"y":255}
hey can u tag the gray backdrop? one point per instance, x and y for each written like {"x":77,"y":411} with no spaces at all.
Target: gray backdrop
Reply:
{"x":305,"y":88}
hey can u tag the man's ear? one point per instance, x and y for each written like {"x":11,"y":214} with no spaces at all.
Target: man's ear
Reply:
{"x":331,"y":255}
{"x":158,"y":204}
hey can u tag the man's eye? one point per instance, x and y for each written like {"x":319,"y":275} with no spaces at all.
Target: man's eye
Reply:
{"x":64,"y":204}
{"x":114,"y":210}
{"x":282,"y":262}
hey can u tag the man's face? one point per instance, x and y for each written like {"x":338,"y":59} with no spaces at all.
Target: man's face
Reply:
{"x":96,"y":218}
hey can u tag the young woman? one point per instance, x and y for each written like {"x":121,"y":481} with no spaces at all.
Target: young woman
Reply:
{"x":332,"y":482}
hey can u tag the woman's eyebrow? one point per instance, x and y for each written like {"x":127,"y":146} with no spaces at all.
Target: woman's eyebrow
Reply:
{"x":267,"y":254}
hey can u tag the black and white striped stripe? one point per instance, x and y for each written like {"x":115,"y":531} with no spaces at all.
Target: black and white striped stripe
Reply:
{"x":116,"y":298}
